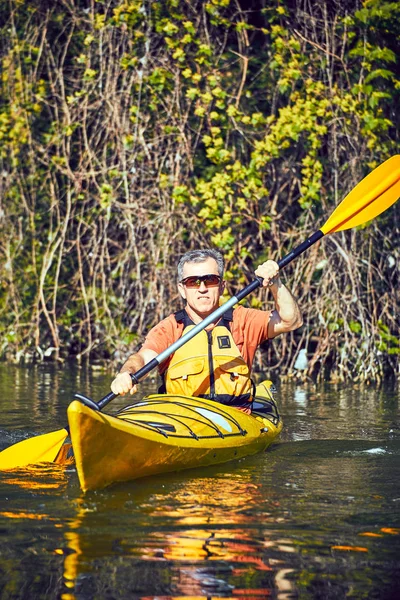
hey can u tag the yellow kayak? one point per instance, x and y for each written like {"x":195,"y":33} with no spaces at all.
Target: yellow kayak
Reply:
{"x":163,"y":433}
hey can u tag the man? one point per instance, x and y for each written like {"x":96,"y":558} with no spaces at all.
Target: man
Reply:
{"x":216,"y":363}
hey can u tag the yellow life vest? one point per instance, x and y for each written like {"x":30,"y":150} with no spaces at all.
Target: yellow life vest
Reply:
{"x":210,"y":366}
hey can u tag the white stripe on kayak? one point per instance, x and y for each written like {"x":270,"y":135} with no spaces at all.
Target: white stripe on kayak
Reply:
{"x":215,"y":418}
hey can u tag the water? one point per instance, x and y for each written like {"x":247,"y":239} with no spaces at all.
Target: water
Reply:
{"x":316,"y":516}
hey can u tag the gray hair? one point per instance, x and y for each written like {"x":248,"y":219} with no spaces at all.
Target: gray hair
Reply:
{"x":198,"y":256}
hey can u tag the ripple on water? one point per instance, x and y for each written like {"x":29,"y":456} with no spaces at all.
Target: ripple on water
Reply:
{"x":315,"y":516}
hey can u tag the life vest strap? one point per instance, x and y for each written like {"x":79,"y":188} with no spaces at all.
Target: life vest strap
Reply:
{"x":181,"y":316}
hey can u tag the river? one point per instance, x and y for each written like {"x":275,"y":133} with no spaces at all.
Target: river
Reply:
{"x":315,"y":516}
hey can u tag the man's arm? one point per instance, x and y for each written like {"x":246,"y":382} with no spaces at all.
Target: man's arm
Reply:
{"x":123,"y":381}
{"x":286,"y":316}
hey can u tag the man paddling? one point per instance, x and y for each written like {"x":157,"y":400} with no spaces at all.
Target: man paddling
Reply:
{"x":216,"y":363}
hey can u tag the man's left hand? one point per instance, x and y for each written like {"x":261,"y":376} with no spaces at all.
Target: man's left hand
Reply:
{"x":269,"y":271}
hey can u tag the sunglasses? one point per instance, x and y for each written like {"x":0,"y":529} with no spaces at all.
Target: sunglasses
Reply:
{"x":194,"y":281}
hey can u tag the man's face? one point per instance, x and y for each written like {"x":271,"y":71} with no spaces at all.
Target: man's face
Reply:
{"x":203,"y":300}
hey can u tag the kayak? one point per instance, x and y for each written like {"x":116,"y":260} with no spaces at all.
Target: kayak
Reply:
{"x":164,"y":433}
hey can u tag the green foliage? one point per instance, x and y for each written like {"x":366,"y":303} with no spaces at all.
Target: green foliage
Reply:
{"x":132,"y":132}
{"x":388,"y":342}
{"x":355,"y":326}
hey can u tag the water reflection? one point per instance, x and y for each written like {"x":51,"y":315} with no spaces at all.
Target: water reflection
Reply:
{"x":300,"y":396}
{"x":38,"y":478}
{"x":205,"y":521}
{"x":315,"y":516}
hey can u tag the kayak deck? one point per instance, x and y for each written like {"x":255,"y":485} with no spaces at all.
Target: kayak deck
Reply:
{"x":163,"y":433}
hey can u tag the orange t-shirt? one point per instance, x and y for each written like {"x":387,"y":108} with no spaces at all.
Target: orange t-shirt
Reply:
{"x":249,"y":329}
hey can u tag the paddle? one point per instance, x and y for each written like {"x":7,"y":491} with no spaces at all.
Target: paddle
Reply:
{"x":372,"y":196}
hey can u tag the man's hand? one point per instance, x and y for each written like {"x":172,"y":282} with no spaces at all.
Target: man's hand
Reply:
{"x":123,"y":384}
{"x":269,"y":272}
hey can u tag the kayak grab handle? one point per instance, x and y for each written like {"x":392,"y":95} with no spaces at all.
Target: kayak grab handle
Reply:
{"x":88,"y":401}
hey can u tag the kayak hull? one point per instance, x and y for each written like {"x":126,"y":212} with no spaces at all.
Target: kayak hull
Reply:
{"x":163,"y":433}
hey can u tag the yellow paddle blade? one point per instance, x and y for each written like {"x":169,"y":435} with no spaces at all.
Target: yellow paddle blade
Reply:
{"x":42,"y":448}
{"x":372,"y":196}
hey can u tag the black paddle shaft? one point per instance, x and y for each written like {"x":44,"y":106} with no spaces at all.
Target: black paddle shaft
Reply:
{"x":300,"y":249}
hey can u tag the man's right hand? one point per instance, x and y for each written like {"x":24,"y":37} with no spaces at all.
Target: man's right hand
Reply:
{"x":123,"y":384}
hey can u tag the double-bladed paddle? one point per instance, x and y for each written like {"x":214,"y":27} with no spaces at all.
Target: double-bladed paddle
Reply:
{"x":371,"y":197}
